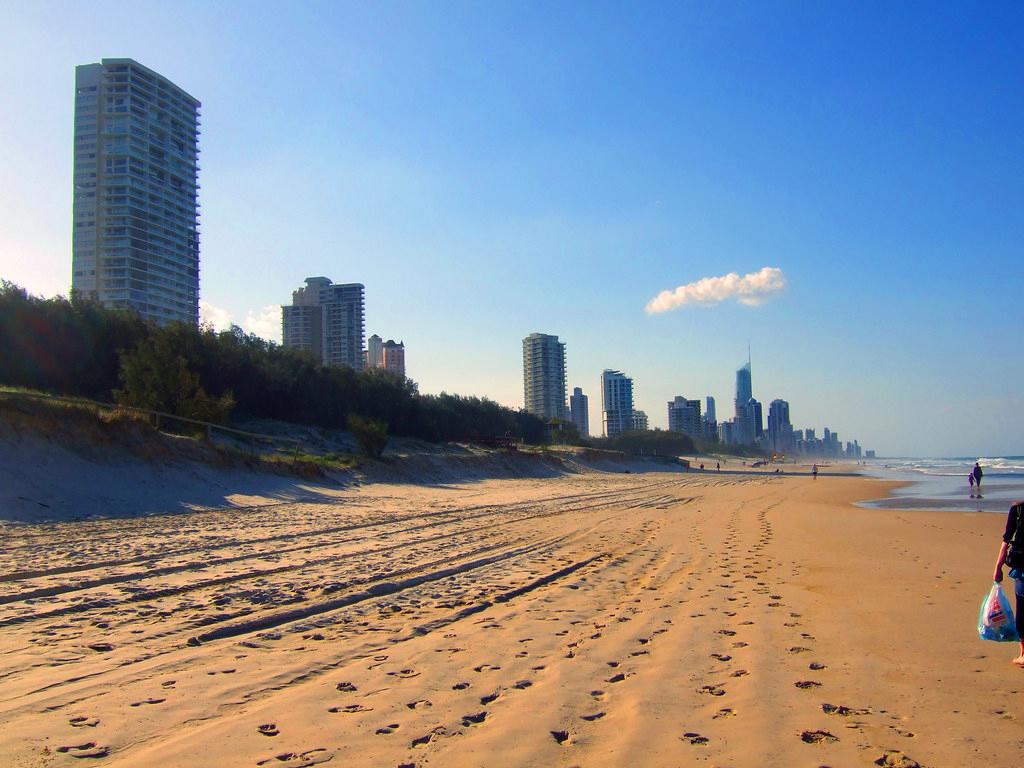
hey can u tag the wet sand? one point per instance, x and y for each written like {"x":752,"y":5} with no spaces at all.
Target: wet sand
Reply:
{"x":594,"y":620}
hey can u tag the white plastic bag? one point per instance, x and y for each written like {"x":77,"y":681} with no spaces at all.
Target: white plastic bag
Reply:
{"x":995,"y":620}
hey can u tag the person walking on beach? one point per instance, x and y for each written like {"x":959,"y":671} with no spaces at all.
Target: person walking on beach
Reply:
{"x":718,"y":466}
{"x":970,"y":480}
{"x":977,"y":476}
{"x":814,"y":471}
{"x":1011,"y":534}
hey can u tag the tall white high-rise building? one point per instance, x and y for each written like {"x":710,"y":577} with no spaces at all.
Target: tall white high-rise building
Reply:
{"x":544,"y":376}
{"x":326,"y":319}
{"x":580,"y":410}
{"x":375,"y":352}
{"x":135,"y":236}
{"x":616,"y":402}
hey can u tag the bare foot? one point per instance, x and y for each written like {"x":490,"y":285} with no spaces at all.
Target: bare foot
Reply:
{"x":1019,"y":661}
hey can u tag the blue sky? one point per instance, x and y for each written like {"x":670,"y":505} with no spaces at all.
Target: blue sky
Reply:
{"x":492,"y":169}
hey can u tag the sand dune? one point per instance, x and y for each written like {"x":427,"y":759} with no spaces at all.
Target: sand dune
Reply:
{"x":592,"y":619}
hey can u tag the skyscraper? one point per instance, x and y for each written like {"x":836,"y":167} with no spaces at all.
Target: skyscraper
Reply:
{"x":640,"y":422}
{"x":710,"y":421}
{"x":385,"y":354}
{"x":616,"y":402}
{"x":580,"y":411}
{"x":544,"y":376}
{"x":393,"y":357}
{"x":780,"y":430}
{"x":744,"y":389}
{"x":374,"y":352}
{"x":684,"y":416}
{"x":135,"y":236}
{"x":326,"y":319}
{"x":709,"y":411}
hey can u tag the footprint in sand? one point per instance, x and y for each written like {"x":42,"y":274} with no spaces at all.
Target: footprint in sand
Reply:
{"x":147,"y":701}
{"x":351,"y":709}
{"x":389,"y":728}
{"x":486,"y":668}
{"x":798,"y":649}
{"x":817,"y":737}
{"x":490,"y":698}
{"x":428,"y":737}
{"x":346,"y":687}
{"x":694,"y":738}
{"x":404,"y":674}
{"x":268,"y":729}
{"x":805,"y":684}
{"x":739,"y":673}
{"x":713,"y":690}
{"x":593,"y":717}
{"x":419,"y":704}
{"x":562,"y":737}
{"x":473,"y":719}
{"x":842,"y":711}
{"x":816,"y":666}
{"x":88,"y":749}
{"x":721,"y":656}
{"x":299,"y":760}
{"x":460,"y":686}
{"x":81,"y":721}
{"x":724,"y":712}
{"x":893,"y":758}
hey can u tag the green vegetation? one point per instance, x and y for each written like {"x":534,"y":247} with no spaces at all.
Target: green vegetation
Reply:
{"x":154,"y":377}
{"x":648,"y":443}
{"x":371,"y":434}
{"x":74,"y":347}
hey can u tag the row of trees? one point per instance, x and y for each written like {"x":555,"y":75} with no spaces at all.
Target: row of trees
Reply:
{"x":76,"y":347}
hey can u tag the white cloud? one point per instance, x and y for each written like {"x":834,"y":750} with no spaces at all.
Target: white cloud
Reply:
{"x":219,"y":318}
{"x":751,"y":290}
{"x":266,"y":323}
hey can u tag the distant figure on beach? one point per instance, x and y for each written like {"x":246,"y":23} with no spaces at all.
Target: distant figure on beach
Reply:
{"x":718,"y":466}
{"x":814,"y":471}
{"x":970,"y":479}
{"x":701,"y":467}
{"x":1013,"y":519}
{"x":977,"y":476}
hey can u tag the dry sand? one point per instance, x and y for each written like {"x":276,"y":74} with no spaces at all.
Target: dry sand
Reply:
{"x":586,"y":620}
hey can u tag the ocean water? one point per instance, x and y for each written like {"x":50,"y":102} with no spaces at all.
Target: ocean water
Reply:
{"x":942,"y":483}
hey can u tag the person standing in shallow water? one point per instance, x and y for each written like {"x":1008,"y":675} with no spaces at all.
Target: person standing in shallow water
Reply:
{"x":977,"y":476}
{"x":814,"y":471}
{"x":1012,"y":521}
{"x":970,"y":480}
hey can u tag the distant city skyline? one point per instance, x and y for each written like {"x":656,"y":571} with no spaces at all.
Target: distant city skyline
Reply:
{"x":843,"y":192}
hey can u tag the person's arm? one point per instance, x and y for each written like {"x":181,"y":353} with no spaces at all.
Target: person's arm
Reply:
{"x":997,"y":574}
{"x":1011,"y":528}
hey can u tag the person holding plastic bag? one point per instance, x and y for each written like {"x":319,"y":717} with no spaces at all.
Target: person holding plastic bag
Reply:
{"x":1011,"y":553}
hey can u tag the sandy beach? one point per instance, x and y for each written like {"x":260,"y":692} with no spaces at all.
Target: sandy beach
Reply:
{"x":592,"y":619}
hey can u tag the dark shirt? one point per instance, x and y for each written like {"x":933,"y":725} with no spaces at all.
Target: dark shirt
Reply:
{"x":1011,"y":521}
{"x":977,"y":472}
